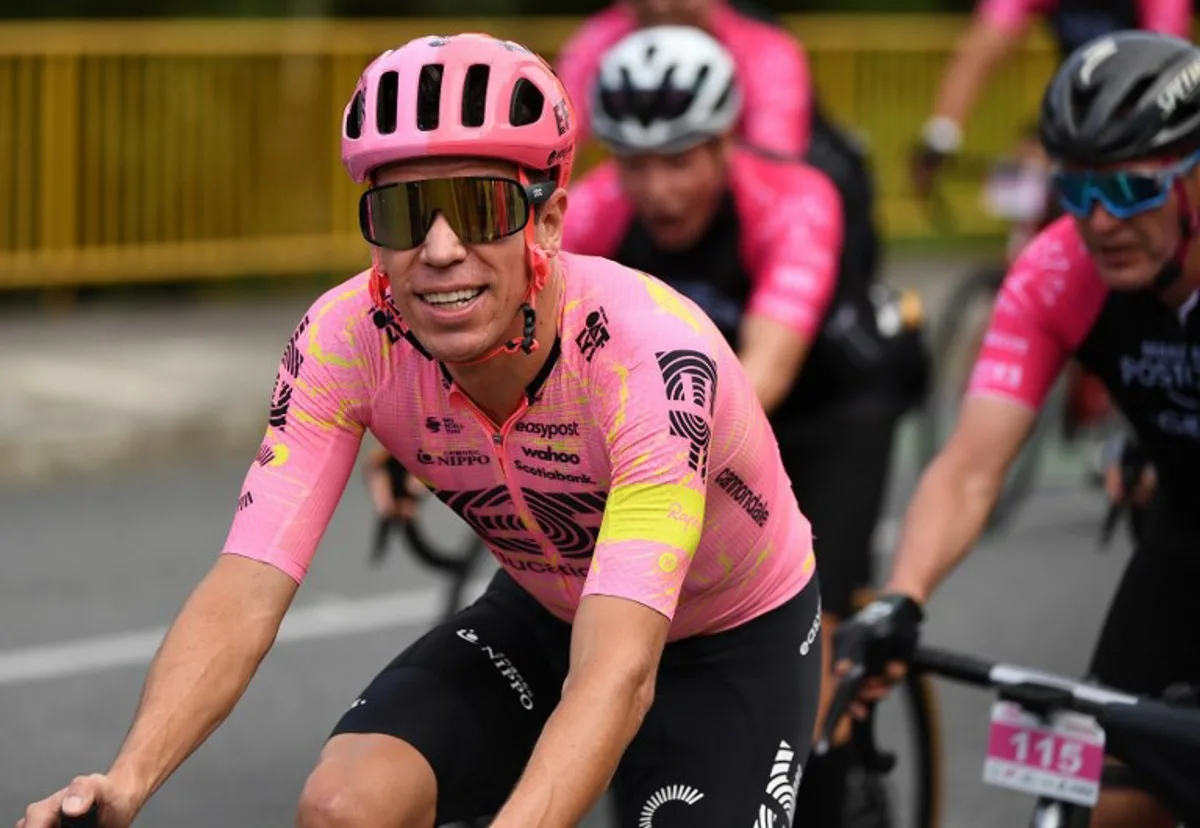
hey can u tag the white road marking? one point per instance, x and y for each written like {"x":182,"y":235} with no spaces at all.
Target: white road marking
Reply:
{"x":322,"y":619}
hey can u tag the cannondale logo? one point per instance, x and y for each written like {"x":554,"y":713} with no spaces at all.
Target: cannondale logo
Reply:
{"x":671,"y":793}
{"x":690,"y":379}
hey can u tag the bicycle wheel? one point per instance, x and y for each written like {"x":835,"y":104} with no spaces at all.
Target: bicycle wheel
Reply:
{"x":958,"y":337}
{"x":878,"y":796}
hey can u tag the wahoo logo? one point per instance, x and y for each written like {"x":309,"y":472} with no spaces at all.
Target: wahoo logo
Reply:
{"x":671,"y":793}
{"x":549,"y":454}
{"x":782,"y":788}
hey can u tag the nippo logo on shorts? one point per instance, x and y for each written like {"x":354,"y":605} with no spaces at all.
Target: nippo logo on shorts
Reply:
{"x":505,"y":667}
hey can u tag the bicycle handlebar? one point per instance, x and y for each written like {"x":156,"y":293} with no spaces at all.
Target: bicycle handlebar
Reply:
{"x":1033,"y":689}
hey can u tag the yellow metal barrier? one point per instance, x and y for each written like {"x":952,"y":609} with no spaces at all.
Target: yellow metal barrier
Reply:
{"x":158,"y":150}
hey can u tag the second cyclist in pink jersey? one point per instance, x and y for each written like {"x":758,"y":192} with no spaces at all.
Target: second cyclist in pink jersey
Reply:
{"x":656,"y":613}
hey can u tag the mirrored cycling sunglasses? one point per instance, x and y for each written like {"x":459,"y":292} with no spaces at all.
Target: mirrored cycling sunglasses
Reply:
{"x":398,"y":216}
{"x":1124,"y":194}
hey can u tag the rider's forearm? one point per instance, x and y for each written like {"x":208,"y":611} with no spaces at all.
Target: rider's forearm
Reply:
{"x":201,"y":670}
{"x":978,"y":54}
{"x":946,"y":517}
{"x":579,"y":749}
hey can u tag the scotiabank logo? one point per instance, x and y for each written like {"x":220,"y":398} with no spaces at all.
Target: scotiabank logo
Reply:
{"x":549,"y":430}
{"x":551,"y":454}
{"x":552,"y":474}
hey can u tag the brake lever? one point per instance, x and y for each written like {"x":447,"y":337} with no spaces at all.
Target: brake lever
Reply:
{"x":847,"y":690}
{"x":380,"y":546}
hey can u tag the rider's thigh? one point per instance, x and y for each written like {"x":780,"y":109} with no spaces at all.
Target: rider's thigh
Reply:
{"x":470,"y":697}
{"x":1149,"y":639}
{"x":839,"y":472}
{"x":726,"y":739}
{"x":369,"y":779}
{"x":1127,"y":808}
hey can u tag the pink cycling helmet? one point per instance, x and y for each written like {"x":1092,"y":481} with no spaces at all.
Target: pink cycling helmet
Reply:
{"x":464,"y":95}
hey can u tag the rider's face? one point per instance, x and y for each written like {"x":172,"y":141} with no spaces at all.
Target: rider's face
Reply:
{"x":1129,"y":253}
{"x":444,"y":263}
{"x":675,"y":196}
{"x":673,"y":12}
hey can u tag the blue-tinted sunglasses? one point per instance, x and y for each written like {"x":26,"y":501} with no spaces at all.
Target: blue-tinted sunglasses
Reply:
{"x":1123,"y":194}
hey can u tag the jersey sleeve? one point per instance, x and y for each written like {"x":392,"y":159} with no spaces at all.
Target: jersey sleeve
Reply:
{"x":797,"y":251}
{"x":315,"y":425}
{"x":1012,"y":15}
{"x":778,"y":88}
{"x":1024,"y":349}
{"x":653,"y":395}
{"x":1166,"y":16}
{"x":598,"y":213}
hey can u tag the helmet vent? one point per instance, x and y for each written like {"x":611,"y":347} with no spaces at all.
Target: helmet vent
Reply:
{"x":527,"y":103}
{"x":474,"y":102}
{"x":724,"y":99}
{"x":429,"y":96}
{"x":385,"y":103}
{"x":354,"y":117}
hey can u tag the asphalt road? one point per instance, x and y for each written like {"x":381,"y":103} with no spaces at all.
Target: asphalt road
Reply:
{"x":90,"y":573}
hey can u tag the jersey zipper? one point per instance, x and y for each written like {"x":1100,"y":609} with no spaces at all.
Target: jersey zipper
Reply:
{"x":500,"y":450}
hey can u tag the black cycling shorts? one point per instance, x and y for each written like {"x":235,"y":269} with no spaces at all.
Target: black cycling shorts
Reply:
{"x":722,"y":745}
{"x":1150,"y":638}
{"x":839,"y":470}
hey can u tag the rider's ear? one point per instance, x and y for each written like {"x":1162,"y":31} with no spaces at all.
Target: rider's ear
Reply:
{"x":549,"y":217}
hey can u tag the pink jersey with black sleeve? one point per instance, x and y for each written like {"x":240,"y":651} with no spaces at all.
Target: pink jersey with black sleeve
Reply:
{"x":781,"y":225}
{"x":639,"y":465}
{"x":1053,"y":305}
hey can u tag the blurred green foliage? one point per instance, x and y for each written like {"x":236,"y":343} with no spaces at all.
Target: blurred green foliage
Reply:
{"x":401,"y":8}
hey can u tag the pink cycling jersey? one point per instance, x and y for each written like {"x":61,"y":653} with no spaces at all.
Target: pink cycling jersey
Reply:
{"x":772,"y":66}
{"x":1047,"y":305}
{"x":640,"y":464}
{"x":1167,"y":16}
{"x":790,"y":232}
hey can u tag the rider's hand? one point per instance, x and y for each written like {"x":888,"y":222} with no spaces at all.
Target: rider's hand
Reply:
{"x":393,"y":492}
{"x":880,"y":637}
{"x":1114,"y":485}
{"x":117,"y":808}
{"x":924,"y":166}
{"x":940,"y":138}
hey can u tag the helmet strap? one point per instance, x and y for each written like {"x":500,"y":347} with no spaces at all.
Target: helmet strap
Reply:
{"x":1189,"y":225}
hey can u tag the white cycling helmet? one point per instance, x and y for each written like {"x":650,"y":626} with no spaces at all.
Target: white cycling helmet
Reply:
{"x":665,"y":89}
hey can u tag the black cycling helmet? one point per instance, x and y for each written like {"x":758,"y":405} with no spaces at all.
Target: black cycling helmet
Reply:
{"x":1123,"y":97}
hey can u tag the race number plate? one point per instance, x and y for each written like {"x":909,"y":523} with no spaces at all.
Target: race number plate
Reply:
{"x":1060,"y":758}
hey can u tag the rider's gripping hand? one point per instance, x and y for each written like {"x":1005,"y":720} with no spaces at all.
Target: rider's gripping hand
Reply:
{"x":1129,"y":479}
{"x":117,"y":808}
{"x":880,"y":638}
{"x":923,"y":168}
{"x":393,"y":490}
{"x":940,"y":139}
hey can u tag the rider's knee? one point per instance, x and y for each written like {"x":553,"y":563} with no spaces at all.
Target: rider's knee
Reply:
{"x":1122,"y":806}
{"x":368,"y":780}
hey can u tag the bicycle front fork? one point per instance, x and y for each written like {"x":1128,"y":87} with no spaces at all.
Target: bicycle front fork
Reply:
{"x":1050,"y":813}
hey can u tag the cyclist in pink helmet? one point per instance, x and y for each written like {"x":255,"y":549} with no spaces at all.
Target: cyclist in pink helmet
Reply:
{"x":400,"y":159}
{"x":656,"y":610}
